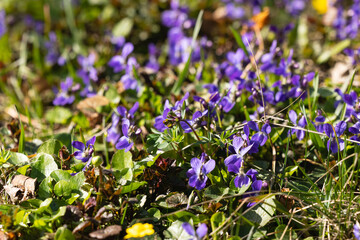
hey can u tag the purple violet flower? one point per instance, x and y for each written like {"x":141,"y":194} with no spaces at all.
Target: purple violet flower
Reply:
{"x":64,"y":96}
{"x":153,"y":55}
{"x":119,"y":62}
{"x":87,"y":71}
{"x":256,"y":188}
{"x":332,"y":144}
{"x":176,"y":16}
{"x":85,"y":152}
{"x":356,"y":231}
{"x":300,"y":134}
{"x":124,"y":142}
{"x":115,"y":131}
{"x":241,"y":178}
{"x":197,"y":174}
{"x":200,"y":232}
{"x":2,"y":23}
{"x":195,"y":122}
{"x":240,"y":151}
{"x":355,"y":129}
{"x":176,"y":110}
{"x":53,"y":56}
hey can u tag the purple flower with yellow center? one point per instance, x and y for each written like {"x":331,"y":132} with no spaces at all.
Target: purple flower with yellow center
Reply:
{"x":200,"y":232}
{"x":332,"y":143}
{"x":197,"y":174}
{"x":64,"y":96}
{"x":85,"y":152}
{"x":300,"y":134}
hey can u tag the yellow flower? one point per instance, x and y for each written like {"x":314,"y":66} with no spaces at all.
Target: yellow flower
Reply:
{"x":139,"y":230}
{"x":321,"y":6}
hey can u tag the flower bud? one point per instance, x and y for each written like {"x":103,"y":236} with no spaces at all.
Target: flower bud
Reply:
{"x":96,"y":161}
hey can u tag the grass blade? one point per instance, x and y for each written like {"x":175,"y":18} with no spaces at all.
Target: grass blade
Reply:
{"x":177,"y":87}
{"x":239,"y":40}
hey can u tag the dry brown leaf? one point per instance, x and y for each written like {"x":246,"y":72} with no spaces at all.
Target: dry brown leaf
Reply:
{"x":261,"y":19}
{"x":89,"y":107}
{"x":21,"y":188}
{"x":25,"y":183}
{"x":107,"y":232}
{"x":14,"y":193}
{"x":92,"y":103}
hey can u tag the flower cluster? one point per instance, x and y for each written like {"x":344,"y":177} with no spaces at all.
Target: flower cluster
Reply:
{"x":122,"y":127}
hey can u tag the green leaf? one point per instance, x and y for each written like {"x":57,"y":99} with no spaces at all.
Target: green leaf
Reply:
{"x":132,"y":187}
{"x":43,"y":165}
{"x":154,"y":212}
{"x":77,"y":181}
{"x":176,"y":231}
{"x":339,"y":47}
{"x":64,"y":233}
{"x":123,"y":28}
{"x":122,"y":161}
{"x":177,"y":87}
{"x":45,"y":188}
{"x":289,"y":234}
{"x":262,"y":212}
{"x":18,"y":159}
{"x":112,"y":94}
{"x":216,"y":221}
{"x":239,"y":40}
{"x":60,"y":174}
{"x":62,"y":188}
{"x":51,"y":147}
{"x":22,"y":170}
{"x":58,"y":115}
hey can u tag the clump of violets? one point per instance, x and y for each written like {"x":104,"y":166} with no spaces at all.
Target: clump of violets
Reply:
{"x":170,"y":114}
{"x":199,"y":170}
{"x":53,"y":56}
{"x":125,"y":63}
{"x":87,"y":70}
{"x":121,"y":129}
{"x":85,"y":152}
{"x":200,"y":232}
{"x":64,"y":95}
